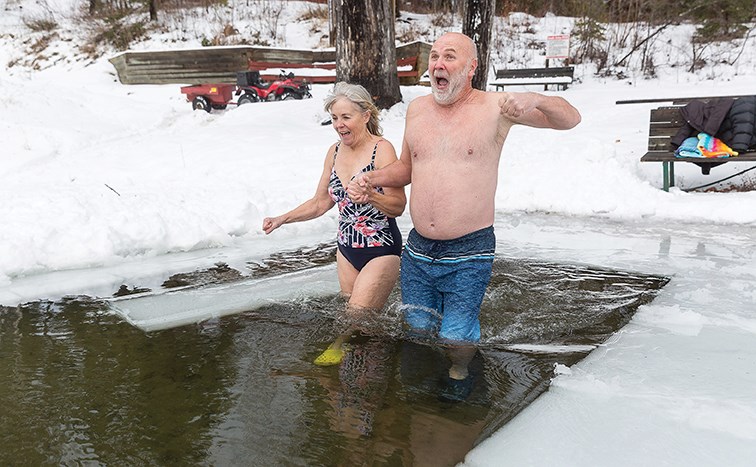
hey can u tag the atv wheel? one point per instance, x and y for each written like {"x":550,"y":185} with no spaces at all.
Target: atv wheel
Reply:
{"x":201,"y":103}
{"x":288,"y":95}
{"x":248,"y":99}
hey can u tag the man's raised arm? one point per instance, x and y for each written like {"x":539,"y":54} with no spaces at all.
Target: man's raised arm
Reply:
{"x":538,"y":110}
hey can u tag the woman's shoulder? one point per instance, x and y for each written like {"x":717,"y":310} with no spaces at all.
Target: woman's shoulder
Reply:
{"x":385,"y":152}
{"x":333,"y":149}
{"x":331,"y":153}
{"x":384,"y":144}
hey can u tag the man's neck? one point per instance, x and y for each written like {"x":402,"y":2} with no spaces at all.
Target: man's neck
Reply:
{"x":466,"y":96}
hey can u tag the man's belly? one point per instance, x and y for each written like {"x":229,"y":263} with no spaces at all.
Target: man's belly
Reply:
{"x":440,"y":218}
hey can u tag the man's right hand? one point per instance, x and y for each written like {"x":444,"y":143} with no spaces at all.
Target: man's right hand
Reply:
{"x":359,"y":189}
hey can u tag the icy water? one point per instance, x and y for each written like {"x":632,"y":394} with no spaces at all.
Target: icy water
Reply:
{"x":82,"y":387}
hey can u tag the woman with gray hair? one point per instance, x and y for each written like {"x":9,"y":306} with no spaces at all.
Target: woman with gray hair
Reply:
{"x":369,"y":241}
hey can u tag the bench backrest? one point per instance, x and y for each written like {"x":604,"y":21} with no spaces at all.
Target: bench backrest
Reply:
{"x":256,"y":65}
{"x":663,"y":125}
{"x":665,"y":121}
{"x":536,"y":72}
{"x":413,"y":74}
{"x":412,"y":61}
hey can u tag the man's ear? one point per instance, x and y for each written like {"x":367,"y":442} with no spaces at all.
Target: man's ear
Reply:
{"x":473,"y":67}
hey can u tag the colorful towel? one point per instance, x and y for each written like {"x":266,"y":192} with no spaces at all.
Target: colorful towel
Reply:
{"x":689,"y":148}
{"x":713,"y":147}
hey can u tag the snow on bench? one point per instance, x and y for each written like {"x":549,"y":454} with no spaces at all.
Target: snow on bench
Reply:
{"x":561,"y":76}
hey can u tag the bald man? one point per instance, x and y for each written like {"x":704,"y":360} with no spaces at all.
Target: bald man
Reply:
{"x":452,"y":145}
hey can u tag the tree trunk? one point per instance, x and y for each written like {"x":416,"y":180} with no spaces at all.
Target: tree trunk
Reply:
{"x":478,"y":24}
{"x":332,"y":22}
{"x":365,"y":48}
{"x":153,"y":10}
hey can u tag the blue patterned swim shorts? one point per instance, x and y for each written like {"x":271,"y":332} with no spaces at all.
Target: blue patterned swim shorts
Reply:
{"x":443,"y":284}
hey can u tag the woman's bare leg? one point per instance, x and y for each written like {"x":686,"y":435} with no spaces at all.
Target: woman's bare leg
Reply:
{"x":347,"y":276}
{"x":368,"y":291}
{"x":375,"y":282}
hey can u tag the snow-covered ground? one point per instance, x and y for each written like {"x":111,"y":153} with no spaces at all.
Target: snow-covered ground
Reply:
{"x":103,"y":184}
{"x":673,"y":387}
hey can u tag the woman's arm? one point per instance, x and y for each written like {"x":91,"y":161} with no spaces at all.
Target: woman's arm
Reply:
{"x":391,"y":202}
{"x":316,"y":206}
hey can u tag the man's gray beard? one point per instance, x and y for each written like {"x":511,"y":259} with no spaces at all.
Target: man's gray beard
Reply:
{"x":443,"y":98}
{"x":440,"y":98}
{"x":452,"y":92}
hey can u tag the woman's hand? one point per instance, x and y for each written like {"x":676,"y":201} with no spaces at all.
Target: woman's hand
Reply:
{"x":271,"y":223}
{"x":359,"y":189}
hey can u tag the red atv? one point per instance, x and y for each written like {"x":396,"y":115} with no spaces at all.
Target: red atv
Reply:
{"x":248,"y":87}
{"x":252,"y":89}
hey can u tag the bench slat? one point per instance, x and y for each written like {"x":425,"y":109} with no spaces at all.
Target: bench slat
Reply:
{"x":535,"y":72}
{"x":407,"y":61}
{"x":667,"y":115}
{"x":257,"y":66}
{"x":268,"y":66}
{"x":324,"y":79}
{"x":666,"y":156}
{"x":659,"y":144}
{"x":660,"y":131}
{"x":533,"y":80}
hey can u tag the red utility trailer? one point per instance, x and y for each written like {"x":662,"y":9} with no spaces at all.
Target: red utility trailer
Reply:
{"x":207,"y":96}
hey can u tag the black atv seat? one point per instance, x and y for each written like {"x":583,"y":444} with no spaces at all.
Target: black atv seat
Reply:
{"x":249,"y":78}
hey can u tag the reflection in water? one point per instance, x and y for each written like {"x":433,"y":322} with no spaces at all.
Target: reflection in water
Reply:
{"x":80,"y":386}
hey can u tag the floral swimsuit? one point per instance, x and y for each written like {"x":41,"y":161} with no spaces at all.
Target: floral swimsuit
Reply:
{"x":364,"y":231}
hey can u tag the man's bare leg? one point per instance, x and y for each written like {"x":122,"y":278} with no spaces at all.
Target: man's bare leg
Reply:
{"x":460,"y":357}
{"x":459,"y":384}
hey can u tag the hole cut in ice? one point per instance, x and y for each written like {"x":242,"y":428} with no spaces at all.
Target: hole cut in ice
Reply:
{"x":243,"y":386}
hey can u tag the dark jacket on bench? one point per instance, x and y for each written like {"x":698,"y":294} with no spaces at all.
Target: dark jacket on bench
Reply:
{"x":732,"y":121}
{"x":738,"y":129}
{"x":702,"y":116}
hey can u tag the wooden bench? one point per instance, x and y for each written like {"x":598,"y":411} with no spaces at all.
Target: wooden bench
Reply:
{"x":560,"y":76}
{"x":326,"y":72}
{"x":664,"y":124}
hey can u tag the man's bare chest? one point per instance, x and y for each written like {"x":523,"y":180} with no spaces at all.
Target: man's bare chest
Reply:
{"x":451,"y":137}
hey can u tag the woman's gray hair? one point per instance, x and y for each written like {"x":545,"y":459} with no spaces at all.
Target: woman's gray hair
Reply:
{"x":358,"y":96}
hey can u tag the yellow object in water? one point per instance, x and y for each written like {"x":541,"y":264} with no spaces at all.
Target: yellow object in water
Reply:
{"x":330,"y":356}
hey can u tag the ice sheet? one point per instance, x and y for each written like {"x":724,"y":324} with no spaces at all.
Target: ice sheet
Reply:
{"x":152,"y":312}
